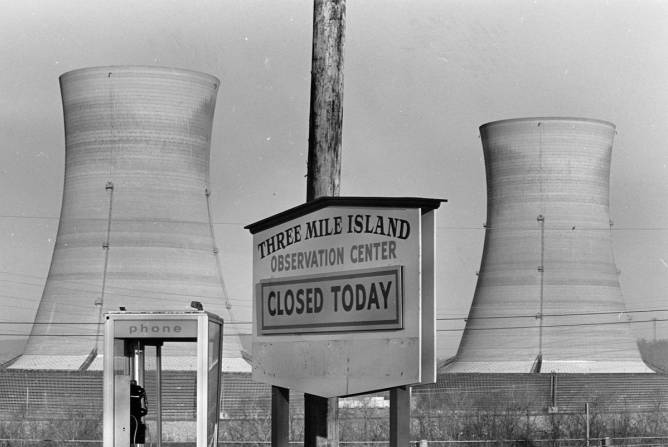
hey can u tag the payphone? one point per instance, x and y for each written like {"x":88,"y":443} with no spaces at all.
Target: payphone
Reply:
{"x":126,"y":400}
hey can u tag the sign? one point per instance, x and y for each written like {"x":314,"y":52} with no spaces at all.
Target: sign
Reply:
{"x":153,"y":328}
{"x":344,"y":295}
{"x":356,"y":300}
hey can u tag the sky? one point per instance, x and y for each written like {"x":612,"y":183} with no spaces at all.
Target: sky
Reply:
{"x":420,"y":77}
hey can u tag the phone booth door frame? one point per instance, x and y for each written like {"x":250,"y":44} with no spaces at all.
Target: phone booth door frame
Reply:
{"x":153,"y":329}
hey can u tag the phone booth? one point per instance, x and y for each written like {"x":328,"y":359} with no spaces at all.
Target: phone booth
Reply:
{"x":134,"y":338}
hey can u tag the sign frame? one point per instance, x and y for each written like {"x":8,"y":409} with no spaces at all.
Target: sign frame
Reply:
{"x":344,"y":230}
{"x":360,"y":325}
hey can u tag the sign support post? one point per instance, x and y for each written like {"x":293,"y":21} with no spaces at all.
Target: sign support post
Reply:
{"x":400,"y":416}
{"x":280,"y":416}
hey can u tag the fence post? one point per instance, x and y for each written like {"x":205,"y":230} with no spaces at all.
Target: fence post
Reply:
{"x":587,"y":422}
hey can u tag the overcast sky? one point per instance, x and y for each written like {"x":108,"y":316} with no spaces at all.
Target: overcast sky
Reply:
{"x":420,"y":77}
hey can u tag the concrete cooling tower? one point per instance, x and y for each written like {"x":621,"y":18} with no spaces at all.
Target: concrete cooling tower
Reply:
{"x":135,"y":225}
{"x":548,"y":297}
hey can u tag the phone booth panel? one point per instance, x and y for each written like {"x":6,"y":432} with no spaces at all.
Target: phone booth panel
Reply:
{"x":131,"y":338}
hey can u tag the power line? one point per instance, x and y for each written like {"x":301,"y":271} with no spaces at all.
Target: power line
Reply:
{"x":440,"y":227}
{"x":110,"y":290}
{"x":12,"y":334}
{"x":567,"y":314}
{"x":243,"y":302}
{"x":90,"y":323}
{"x":42,"y":217}
{"x":602,"y":323}
{"x":5,"y":272}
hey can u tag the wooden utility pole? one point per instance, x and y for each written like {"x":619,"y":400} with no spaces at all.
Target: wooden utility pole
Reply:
{"x":326,"y":113}
{"x":321,"y":425}
{"x":323,"y":177}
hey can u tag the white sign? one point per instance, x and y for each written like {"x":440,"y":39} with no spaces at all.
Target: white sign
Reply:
{"x":344,"y":300}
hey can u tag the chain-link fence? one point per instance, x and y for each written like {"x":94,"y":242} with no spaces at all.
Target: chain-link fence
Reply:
{"x":606,"y":441}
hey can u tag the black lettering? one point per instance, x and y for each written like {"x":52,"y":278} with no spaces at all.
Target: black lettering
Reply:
{"x":269,"y":243}
{"x":289,"y":305}
{"x":359,"y":223}
{"x":373,"y":297}
{"x":280,"y":244}
{"x":392,"y":250}
{"x":318,"y":300}
{"x":385,"y":292}
{"x":327,"y":231}
{"x":279,"y":305}
{"x":270,"y":309}
{"x":338,"y":227}
{"x":404,"y":229}
{"x":392,"y":226}
{"x":360,"y":296}
{"x":333,"y":289}
{"x":367,"y":224}
{"x":379,"y":226}
{"x":299,"y":309}
{"x":309,"y":301}
{"x":311,"y":230}
{"x":347,"y":292}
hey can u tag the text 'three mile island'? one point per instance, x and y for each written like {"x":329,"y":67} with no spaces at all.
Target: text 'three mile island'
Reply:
{"x":351,"y":224}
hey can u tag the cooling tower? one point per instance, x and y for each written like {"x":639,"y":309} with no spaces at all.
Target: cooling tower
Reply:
{"x":135,"y":225}
{"x":548,"y":296}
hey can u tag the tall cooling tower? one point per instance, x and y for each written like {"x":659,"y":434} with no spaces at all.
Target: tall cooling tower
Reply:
{"x":135,"y":225}
{"x":548,"y":296}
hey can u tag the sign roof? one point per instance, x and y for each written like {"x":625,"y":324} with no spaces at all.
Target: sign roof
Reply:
{"x":323,"y":202}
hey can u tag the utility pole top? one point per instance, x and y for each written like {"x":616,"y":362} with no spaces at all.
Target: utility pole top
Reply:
{"x":326,"y":109}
